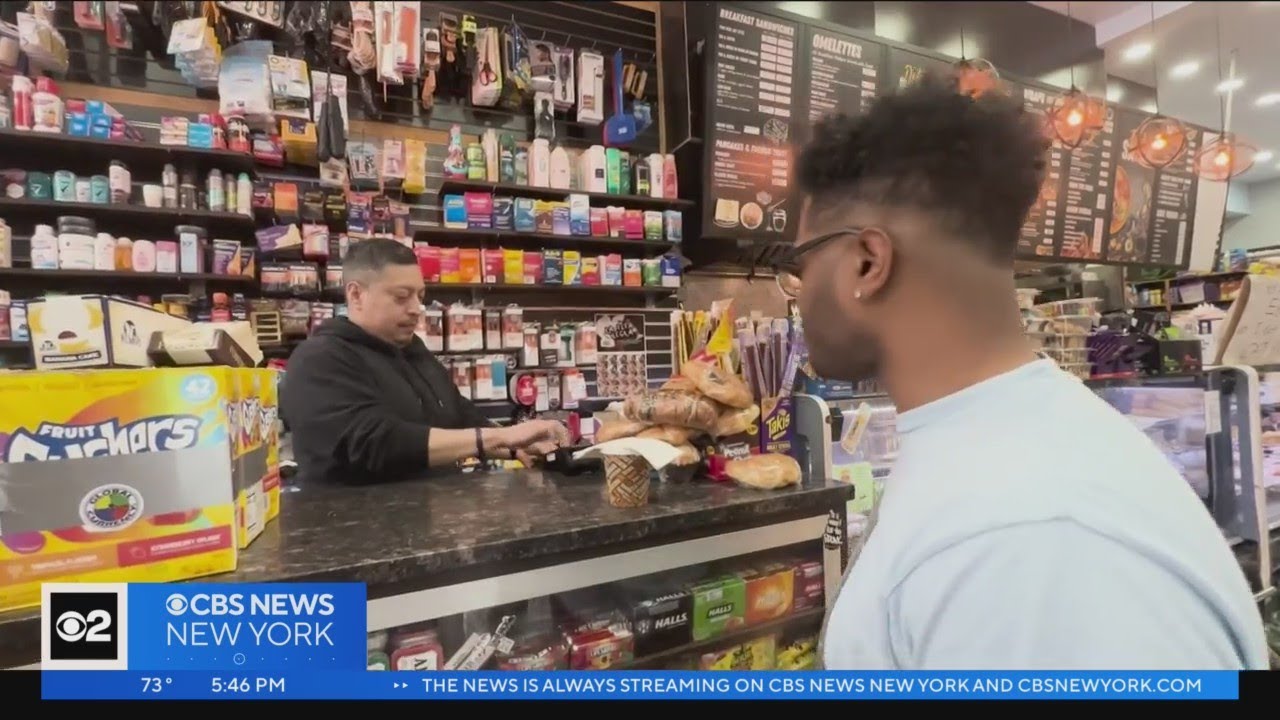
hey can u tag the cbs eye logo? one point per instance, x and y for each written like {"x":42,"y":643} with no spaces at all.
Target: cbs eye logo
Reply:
{"x":83,"y":626}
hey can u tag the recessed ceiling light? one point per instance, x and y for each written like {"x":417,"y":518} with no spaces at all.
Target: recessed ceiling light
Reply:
{"x":1229,"y":85}
{"x":1267,"y":100}
{"x":1115,"y":93}
{"x":1263,"y":156}
{"x":1185,"y":70}
{"x":1137,"y":51}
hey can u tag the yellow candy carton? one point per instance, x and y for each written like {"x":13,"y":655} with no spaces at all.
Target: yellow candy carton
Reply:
{"x":255,"y":450}
{"x":114,"y":476}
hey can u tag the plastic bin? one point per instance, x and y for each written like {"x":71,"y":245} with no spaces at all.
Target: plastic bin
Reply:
{"x":1071,"y":308}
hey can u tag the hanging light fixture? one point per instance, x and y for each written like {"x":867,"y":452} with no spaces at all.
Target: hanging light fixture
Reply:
{"x":1075,"y":115}
{"x":1227,"y":156}
{"x":974,"y":77}
{"x":1159,"y":140}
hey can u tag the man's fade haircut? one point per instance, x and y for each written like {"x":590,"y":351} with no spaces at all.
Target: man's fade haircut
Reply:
{"x":975,"y":164}
{"x":367,"y":258}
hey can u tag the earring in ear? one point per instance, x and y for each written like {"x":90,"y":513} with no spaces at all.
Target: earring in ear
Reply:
{"x":857,"y":294}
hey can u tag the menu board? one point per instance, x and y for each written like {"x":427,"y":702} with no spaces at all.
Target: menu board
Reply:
{"x":1129,"y":230}
{"x":1173,"y":206}
{"x":751,"y":136}
{"x":905,"y":68}
{"x":844,"y":74}
{"x":1038,"y":238}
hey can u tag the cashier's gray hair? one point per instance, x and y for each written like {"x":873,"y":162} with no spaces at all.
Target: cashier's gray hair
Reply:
{"x":366,"y":259}
{"x":973,"y":165}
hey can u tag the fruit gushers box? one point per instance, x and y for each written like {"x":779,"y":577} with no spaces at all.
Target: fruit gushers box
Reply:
{"x":255,"y":469}
{"x":114,"y":476}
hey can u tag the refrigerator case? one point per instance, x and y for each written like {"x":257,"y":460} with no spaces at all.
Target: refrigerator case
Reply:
{"x":1210,"y":425}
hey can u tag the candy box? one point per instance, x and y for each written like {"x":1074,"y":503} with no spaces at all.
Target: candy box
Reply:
{"x":808,"y":585}
{"x":87,"y":331}
{"x":599,"y":648}
{"x":757,"y":654}
{"x":770,"y":591}
{"x":718,"y":606}
{"x":659,"y":622}
{"x":252,"y":413}
{"x":115,"y":476}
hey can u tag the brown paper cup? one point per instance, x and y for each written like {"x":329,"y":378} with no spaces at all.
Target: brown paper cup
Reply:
{"x":626,"y":480}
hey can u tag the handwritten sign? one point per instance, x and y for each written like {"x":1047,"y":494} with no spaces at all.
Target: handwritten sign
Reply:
{"x":1251,"y":333}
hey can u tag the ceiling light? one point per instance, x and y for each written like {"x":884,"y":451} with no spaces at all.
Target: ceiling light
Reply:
{"x":1267,"y":100}
{"x":1185,"y":70}
{"x":1115,"y":93}
{"x":1229,"y":85}
{"x":1138,"y":51}
{"x":1263,"y":156}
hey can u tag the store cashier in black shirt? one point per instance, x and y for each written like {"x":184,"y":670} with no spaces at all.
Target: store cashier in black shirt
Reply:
{"x":367,"y":402}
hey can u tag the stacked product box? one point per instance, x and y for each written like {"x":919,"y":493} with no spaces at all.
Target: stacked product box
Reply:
{"x":115,"y":476}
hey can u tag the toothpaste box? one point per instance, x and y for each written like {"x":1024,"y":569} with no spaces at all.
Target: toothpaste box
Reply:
{"x":115,"y":476}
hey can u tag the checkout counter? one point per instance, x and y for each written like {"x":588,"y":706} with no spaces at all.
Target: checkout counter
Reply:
{"x":705,"y":575}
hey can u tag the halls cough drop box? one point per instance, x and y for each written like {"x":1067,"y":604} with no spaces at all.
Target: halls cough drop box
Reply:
{"x":114,"y":476}
{"x":92,"y":331}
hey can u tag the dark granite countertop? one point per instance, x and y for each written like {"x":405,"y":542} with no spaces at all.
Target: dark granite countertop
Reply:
{"x":385,"y":534}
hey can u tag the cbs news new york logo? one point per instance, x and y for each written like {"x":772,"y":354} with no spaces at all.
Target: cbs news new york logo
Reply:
{"x":84,"y":626}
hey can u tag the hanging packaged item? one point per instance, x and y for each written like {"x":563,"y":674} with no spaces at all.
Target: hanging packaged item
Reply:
{"x":515,"y":67}
{"x":415,"y":166}
{"x":44,"y":46}
{"x":430,"y":63}
{"x":542,"y":66}
{"x":563,"y":88}
{"x":590,"y":87}
{"x":244,"y":82}
{"x":408,"y":48}
{"x":486,"y":81}
{"x":196,"y":52}
{"x":363,"y":55}
{"x":89,"y":15}
{"x":385,"y":37}
{"x":290,"y":87}
{"x":544,"y":116}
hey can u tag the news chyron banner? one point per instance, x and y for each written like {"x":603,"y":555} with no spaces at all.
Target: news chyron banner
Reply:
{"x":300,"y":641}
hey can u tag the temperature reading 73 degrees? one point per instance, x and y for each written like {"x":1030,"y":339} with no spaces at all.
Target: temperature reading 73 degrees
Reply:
{"x":155,"y":684}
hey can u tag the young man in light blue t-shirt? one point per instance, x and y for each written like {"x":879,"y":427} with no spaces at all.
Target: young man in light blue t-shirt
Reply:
{"x":1027,"y":524}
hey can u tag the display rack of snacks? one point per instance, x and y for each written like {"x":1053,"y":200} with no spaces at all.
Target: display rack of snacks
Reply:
{"x":1064,"y":333}
{"x":758,"y":612}
{"x":1187,"y":291}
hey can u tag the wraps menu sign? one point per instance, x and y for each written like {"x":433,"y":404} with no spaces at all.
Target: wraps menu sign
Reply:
{"x":752,"y":122}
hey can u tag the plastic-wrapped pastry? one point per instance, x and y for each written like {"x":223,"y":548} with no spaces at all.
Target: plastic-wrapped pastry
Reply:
{"x":670,"y":434}
{"x":736,"y":420}
{"x":717,"y":384}
{"x":665,"y":407}
{"x":619,"y":429}
{"x":769,"y":471}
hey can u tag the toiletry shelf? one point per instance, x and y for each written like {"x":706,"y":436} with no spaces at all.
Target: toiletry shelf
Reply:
{"x":586,"y":289}
{"x":124,"y":275}
{"x":136,"y":221}
{"x":450,"y":186}
{"x":534,"y":241}
{"x":91,"y":155}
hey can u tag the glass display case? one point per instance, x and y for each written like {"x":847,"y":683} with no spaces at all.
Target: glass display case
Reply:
{"x":757,"y":611}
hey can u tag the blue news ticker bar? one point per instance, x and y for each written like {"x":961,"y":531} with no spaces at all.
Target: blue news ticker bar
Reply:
{"x":638,"y":685}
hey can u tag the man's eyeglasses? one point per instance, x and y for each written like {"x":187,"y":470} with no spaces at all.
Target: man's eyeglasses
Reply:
{"x":787,"y":272}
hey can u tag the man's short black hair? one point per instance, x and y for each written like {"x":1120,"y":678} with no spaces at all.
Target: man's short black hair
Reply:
{"x":976,"y":163}
{"x":366,"y":258}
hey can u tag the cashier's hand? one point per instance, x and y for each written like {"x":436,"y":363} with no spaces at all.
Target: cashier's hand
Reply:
{"x":535,"y":439}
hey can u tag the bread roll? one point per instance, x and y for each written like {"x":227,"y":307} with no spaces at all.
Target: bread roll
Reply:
{"x":619,"y":429}
{"x":717,"y":384}
{"x":679,"y":383}
{"x":765,"y":472}
{"x":667,"y":407}
{"x":667,"y":433}
{"x":736,"y":420}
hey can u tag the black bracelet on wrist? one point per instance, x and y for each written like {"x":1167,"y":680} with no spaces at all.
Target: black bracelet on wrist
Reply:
{"x":480,"y":446}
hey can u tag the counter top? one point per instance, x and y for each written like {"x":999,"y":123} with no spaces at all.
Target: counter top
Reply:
{"x":393,"y":533}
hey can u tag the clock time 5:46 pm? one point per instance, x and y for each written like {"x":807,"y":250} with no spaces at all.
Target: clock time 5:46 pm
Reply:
{"x":247,"y":685}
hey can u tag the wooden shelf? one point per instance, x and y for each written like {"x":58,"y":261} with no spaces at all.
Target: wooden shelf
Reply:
{"x":452,"y":186}
{"x":124,"y":275}
{"x":91,"y":156}
{"x":537,"y":241}
{"x":130,"y":220}
{"x":813,"y":617}
{"x":585,"y":289}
